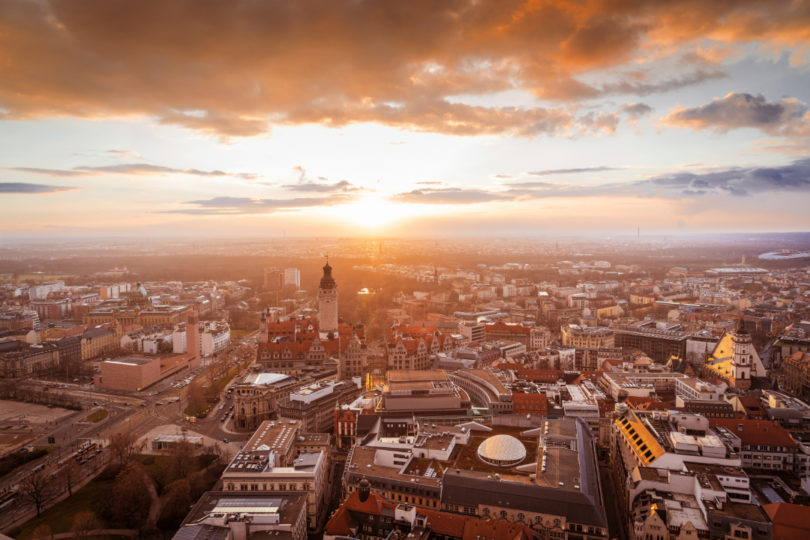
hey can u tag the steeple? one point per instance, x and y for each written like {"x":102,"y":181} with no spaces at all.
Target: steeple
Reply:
{"x":327,"y":281}
{"x":327,"y":303}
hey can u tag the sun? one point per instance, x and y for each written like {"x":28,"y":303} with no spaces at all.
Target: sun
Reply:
{"x":372,"y":212}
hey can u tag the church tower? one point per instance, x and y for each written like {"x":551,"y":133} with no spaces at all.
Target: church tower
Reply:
{"x":327,"y":302}
{"x":743,"y":357}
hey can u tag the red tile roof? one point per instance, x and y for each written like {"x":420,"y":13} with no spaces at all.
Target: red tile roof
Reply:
{"x":790,"y":521}
{"x":756,"y":432}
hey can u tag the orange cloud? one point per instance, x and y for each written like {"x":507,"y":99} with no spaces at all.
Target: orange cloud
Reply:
{"x":235,"y":68}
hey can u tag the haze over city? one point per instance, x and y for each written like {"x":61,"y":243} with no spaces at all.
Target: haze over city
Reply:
{"x":386,"y":270}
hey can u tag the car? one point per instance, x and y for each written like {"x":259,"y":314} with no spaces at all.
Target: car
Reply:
{"x":95,"y":403}
{"x":224,"y":440}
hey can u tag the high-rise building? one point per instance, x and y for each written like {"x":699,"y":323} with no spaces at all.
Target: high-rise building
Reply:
{"x":193,"y":334}
{"x":273,"y":279}
{"x":327,"y":302}
{"x":292,"y":276}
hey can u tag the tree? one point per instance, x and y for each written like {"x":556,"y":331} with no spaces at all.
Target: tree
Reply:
{"x":130,"y":501}
{"x":196,"y":397}
{"x":71,"y":473}
{"x":182,"y":458}
{"x":42,"y":532}
{"x":36,"y":488}
{"x":176,"y":503}
{"x":123,"y":446}
{"x":83,"y":523}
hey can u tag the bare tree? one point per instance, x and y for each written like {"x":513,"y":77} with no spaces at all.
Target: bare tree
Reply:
{"x":83,"y":523}
{"x":42,"y":532}
{"x":36,"y":488}
{"x":123,"y":446}
{"x":182,"y":455}
{"x":71,"y":473}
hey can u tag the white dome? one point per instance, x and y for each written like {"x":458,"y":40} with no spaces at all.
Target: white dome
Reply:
{"x":502,"y":451}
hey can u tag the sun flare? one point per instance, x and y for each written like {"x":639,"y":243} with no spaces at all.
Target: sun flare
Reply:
{"x":372,"y":212}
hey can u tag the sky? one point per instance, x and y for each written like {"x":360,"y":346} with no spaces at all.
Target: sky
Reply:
{"x":240,"y":118}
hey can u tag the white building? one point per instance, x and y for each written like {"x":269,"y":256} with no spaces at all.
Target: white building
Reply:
{"x":292,"y":276}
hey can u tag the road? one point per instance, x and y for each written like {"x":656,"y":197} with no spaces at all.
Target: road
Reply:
{"x":160,"y":404}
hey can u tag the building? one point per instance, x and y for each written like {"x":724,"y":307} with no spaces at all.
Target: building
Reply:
{"x":407,"y":354}
{"x":214,"y":338}
{"x":97,"y":342}
{"x":487,"y":389}
{"x":365,"y":514}
{"x":313,"y":406}
{"x":273,"y":461}
{"x":555,"y":492}
{"x":660,"y":344}
{"x":735,"y":360}
{"x":292,"y":277}
{"x":327,"y":302}
{"x":134,"y":373}
{"x":763,"y":445}
{"x":20,"y":359}
{"x":508,"y":332}
{"x":621,"y":385}
{"x":586,"y":337}
{"x":233,"y":516}
{"x":255,"y":398}
{"x":473,"y":332}
{"x":273,"y":279}
{"x":790,"y":521}
{"x":426,"y":392}
{"x":354,"y":360}
{"x":41,"y":291}
{"x":797,"y":374}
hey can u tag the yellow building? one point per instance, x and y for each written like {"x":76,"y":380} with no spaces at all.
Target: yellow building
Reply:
{"x":735,"y":360}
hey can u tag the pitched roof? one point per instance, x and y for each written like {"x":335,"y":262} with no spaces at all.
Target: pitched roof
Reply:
{"x":756,"y":432}
{"x":790,"y":521}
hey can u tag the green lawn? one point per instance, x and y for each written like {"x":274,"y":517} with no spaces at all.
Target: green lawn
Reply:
{"x":60,"y":517}
{"x":97,"y":416}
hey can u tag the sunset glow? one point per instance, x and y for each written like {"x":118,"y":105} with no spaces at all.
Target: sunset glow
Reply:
{"x":348,"y":118}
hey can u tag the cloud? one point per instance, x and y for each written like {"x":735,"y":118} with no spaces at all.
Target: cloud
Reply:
{"x":636,"y":110}
{"x":131,"y":169}
{"x":226,"y":205}
{"x":237,"y":68}
{"x":555,"y":172}
{"x":739,"y":181}
{"x":342,"y":186}
{"x":22,"y":187}
{"x":124,"y":154}
{"x":449,"y":196}
{"x":786,"y":117}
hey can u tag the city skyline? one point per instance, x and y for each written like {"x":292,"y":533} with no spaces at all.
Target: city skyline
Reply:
{"x":356,"y":119}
